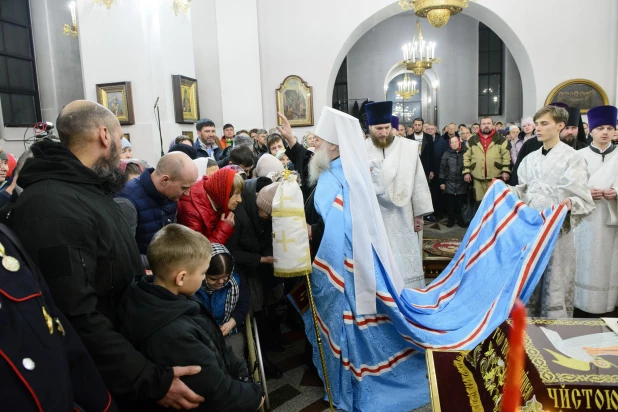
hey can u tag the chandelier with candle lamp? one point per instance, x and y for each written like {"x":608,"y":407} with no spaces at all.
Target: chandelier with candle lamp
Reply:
{"x":181,"y":5}
{"x":419,"y":55}
{"x":107,"y":3}
{"x":406,"y":88}
{"x":72,"y":28}
{"x":438,"y":12}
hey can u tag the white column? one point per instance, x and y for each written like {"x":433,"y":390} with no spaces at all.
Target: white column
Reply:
{"x":144,"y":42}
{"x":239,"y":63}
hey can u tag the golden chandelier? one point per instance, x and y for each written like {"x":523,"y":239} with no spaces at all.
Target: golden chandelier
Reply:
{"x":419,"y":55}
{"x":108,"y":3}
{"x":406,"y":88}
{"x":437,"y":11}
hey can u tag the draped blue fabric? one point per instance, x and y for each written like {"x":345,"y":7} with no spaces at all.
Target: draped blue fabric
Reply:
{"x":377,"y":362}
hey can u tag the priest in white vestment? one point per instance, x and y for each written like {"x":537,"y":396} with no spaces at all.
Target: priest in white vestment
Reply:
{"x":596,"y":238}
{"x":402,"y":190}
{"x":555,"y":174}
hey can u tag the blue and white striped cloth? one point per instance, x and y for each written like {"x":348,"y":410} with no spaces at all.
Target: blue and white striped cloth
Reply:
{"x":376,"y":362}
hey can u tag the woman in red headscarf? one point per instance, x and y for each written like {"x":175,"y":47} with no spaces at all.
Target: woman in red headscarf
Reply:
{"x":209,"y":207}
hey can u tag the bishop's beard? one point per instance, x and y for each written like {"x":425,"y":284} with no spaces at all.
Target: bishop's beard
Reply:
{"x":320,"y":161}
{"x":108,"y":170}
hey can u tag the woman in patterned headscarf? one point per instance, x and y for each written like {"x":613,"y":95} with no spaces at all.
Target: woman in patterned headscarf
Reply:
{"x":225,"y":295}
{"x":209,"y":207}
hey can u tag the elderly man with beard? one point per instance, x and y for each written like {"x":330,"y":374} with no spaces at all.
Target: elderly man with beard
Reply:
{"x":401,"y":186}
{"x":352,"y":263}
{"x":68,"y":222}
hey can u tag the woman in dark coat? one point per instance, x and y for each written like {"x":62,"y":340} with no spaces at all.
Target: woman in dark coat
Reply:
{"x":452,"y":181}
{"x":251,"y":247}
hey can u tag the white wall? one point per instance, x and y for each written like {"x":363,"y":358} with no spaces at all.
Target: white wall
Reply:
{"x":152,"y":45}
{"x":206,"y":54}
{"x":239,"y":56}
{"x":314,"y":42}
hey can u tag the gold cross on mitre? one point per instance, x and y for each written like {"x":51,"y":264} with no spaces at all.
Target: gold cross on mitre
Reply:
{"x":285,"y":241}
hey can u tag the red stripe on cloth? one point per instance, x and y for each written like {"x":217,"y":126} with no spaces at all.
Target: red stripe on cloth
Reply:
{"x":330,"y":273}
{"x":495,"y":236}
{"x":474,"y":235}
{"x":367,"y":320}
{"x":440,"y":299}
{"x":385,"y":298}
{"x":332,"y":345}
{"x":375,"y":369}
{"x":475,"y":333}
{"x":348,"y":263}
{"x":109,"y":401}
{"x":537,"y":249}
{"x":339,"y":201}
{"x":439,"y":332}
{"x":23,"y":380}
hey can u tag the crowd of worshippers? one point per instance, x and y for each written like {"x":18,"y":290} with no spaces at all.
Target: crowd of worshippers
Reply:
{"x":460,"y":161}
{"x":195,"y":232}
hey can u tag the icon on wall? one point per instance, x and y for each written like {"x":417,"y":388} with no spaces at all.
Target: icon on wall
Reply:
{"x":295,"y":101}
{"x":186,"y":104}
{"x":581,"y":93}
{"x":117,"y":97}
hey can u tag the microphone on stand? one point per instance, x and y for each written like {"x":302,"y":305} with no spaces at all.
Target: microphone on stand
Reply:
{"x":158,"y":118}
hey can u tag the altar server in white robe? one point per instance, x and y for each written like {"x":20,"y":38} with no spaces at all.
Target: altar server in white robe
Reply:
{"x":555,"y":174}
{"x":402,"y":190}
{"x":596,"y":238}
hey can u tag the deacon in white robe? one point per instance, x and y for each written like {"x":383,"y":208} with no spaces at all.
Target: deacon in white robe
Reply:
{"x":555,"y":174}
{"x":402,"y":191}
{"x":596,"y":238}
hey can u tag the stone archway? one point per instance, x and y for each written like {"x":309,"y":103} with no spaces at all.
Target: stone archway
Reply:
{"x":478,"y":11}
{"x":432,"y":79}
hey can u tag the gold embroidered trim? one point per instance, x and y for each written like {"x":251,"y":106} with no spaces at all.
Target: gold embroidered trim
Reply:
{"x":289,"y":212}
{"x":469,"y":383}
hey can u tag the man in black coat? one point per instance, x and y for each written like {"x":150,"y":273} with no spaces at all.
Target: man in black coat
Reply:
{"x":427,"y":153}
{"x":69,"y":224}
{"x":44,"y":361}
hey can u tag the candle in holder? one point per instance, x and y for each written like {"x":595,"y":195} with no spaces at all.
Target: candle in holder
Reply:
{"x":511,"y":395}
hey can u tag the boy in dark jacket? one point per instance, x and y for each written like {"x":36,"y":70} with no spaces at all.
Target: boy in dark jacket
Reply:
{"x":452,"y":181}
{"x":162,"y":318}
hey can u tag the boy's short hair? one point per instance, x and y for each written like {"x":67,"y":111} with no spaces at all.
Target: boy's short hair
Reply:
{"x":204,"y":123}
{"x":273,"y":138}
{"x":176,"y":247}
{"x":227,"y":126}
{"x":558,"y":114}
{"x":242,"y":156}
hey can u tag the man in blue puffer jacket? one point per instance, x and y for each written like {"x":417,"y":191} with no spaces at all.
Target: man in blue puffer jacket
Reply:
{"x":148,"y":203}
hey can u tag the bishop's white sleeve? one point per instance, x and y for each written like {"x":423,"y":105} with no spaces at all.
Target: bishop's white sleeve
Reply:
{"x":421,"y":197}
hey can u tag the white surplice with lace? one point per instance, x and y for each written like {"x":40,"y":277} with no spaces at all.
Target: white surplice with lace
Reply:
{"x":402,"y":190}
{"x":596,"y":240}
{"x":547,"y":180}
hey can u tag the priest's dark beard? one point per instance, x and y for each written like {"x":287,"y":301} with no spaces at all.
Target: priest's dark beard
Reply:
{"x":108,"y":170}
{"x":318,"y":163}
{"x":379,"y":144}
